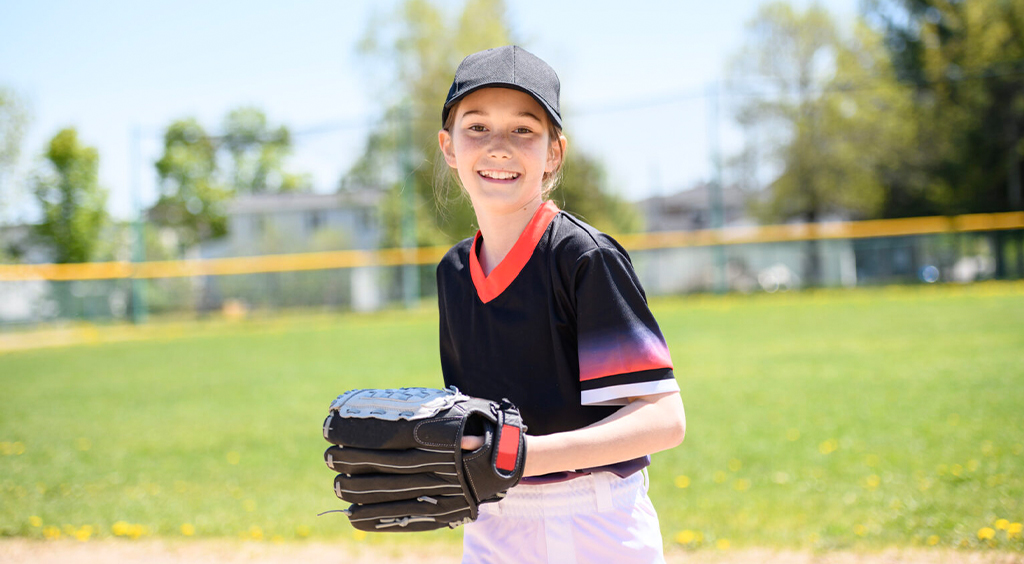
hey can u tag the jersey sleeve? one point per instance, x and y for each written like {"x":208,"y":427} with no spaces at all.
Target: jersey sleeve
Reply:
{"x":622,"y":353}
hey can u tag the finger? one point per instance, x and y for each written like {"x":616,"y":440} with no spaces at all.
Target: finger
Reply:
{"x":472,"y":442}
{"x":378,"y":488}
{"x":349,"y":460}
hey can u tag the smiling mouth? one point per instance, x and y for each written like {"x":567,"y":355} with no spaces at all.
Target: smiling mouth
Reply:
{"x":498,"y":174}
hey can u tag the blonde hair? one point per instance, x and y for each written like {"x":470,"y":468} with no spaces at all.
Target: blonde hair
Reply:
{"x":445,"y":177}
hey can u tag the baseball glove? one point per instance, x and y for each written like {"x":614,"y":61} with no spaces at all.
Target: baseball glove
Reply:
{"x":399,"y":458}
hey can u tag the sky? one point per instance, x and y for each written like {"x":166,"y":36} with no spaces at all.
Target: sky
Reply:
{"x":635,"y":82}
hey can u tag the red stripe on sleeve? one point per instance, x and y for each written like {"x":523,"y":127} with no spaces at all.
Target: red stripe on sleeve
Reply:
{"x":508,"y":448}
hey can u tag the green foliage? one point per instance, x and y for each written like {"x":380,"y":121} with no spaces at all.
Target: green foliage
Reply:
{"x":963,"y":62}
{"x":191,"y":196}
{"x":851,"y":419}
{"x":258,"y":153}
{"x":13,"y":120}
{"x":831,"y":136}
{"x":72,"y":203}
{"x":419,"y":47}
{"x":194,"y":190}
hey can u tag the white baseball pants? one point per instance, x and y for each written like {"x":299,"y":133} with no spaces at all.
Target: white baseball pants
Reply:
{"x":594,"y":519}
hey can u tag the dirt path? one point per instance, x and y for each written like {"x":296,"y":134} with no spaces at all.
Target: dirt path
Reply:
{"x":17,"y":551}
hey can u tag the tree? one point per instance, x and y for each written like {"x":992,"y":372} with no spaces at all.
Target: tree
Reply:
{"x":73,"y":204}
{"x":965,"y":64}
{"x":194,"y":190}
{"x":827,"y":115}
{"x":191,"y":195}
{"x":258,"y":153}
{"x":418,"y":47}
{"x":13,"y":119}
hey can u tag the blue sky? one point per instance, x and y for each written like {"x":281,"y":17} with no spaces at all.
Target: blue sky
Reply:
{"x":106,"y":67}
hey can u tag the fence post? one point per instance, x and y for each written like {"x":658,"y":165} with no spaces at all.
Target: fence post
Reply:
{"x":138,"y":309}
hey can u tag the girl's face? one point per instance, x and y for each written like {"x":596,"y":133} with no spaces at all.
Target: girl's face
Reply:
{"x":500,"y":146}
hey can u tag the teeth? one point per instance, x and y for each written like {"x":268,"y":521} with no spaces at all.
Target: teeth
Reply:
{"x":499,"y":174}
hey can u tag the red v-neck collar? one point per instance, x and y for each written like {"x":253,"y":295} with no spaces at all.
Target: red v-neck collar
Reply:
{"x":491,"y":286}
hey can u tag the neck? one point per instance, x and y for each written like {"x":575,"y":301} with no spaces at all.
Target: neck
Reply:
{"x":500,"y":231}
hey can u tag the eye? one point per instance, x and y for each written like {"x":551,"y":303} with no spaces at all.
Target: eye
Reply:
{"x":522,"y":130}
{"x":476,"y":127}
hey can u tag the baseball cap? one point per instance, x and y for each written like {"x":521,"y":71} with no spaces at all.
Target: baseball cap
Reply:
{"x":510,"y":66}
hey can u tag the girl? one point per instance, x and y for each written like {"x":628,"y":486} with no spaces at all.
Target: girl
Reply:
{"x":545,"y":310}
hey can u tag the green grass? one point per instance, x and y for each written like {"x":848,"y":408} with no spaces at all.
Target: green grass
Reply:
{"x":856,"y":419}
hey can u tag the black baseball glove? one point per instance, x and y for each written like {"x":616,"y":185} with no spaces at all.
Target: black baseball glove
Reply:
{"x":399,"y":458}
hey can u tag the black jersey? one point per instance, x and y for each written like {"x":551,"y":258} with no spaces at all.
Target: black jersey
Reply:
{"x":560,"y":327}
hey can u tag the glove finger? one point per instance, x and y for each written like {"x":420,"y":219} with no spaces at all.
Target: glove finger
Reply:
{"x":378,"y":488}
{"x":433,"y":512}
{"x":435,"y":434}
{"x":351,"y":460}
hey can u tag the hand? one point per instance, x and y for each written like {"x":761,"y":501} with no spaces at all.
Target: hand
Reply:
{"x":472,"y":442}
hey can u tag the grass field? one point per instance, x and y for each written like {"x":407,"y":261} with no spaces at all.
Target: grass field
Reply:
{"x":850,"y":420}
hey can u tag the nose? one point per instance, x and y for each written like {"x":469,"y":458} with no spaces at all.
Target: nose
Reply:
{"x":499,"y":148}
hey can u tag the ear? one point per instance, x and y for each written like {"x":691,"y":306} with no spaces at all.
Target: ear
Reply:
{"x":444,"y":139}
{"x":556,"y":153}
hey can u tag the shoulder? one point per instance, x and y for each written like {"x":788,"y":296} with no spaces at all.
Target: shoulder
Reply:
{"x":574,"y":240}
{"x":457,"y":257}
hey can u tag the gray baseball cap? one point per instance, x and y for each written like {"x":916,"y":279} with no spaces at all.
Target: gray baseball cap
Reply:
{"x":510,"y":66}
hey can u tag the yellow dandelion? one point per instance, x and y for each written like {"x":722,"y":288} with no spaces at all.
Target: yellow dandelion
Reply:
{"x":83,"y":444}
{"x":1002,"y":524}
{"x":188,"y":529}
{"x":933,"y":540}
{"x":682,"y":482}
{"x":83,"y":533}
{"x":1013,"y":530}
{"x":135,"y":531}
{"x":120,"y":528}
{"x":18,"y":448}
{"x":233,"y":457}
{"x":5,"y":448}
{"x":255,"y":533}
{"x":741,"y":485}
{"x":302,"y":531}
{"x":956,"y":469}
{"x":828,"y":447}
{"x":358,"y":535}
{"x":860,"y":530}
{"x":277,"y":539}
{"x":872,"y":481}
{"x":972,"y":465}
{"x":719,"y":477}
{"x":735,"y":465}
{"x":35,"y":521}
{"x":685,"y":536}
{"x":986,"y":533}
{"x":722,"y":544}
{"x":51,"y":532}
{"x":792,"y":435}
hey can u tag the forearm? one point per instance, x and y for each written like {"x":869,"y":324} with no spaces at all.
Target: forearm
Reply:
{"x":644,"y":426}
